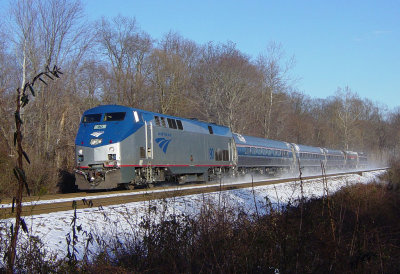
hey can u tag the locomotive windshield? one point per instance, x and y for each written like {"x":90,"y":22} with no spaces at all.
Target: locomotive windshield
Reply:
{"x":91,"y":118}
{"x":114,"y":116}
{"x":108,"y":117}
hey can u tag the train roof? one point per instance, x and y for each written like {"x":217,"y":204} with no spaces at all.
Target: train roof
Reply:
{"x":309,"y":149}
{"x":188,"y":124}
{"x":261,"y":142}
{"x":106,"y":108}
{"x":333,"y":152}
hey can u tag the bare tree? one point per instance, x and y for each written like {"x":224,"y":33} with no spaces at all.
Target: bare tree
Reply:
{"x":394,"y":122}
{"x":42,"y":32}
{"x":90,"y":82}
{"x":235,"y":85}
{"x":300,"y":122}
{"x":21,"y":102}
{"x":275,"y":79}
{"x":8,"y":70}
{"x":226,"y":85}
{"x":23,"y":26}
{"x":348,"y":112}
{"x":127,"y":49}
{"x":172,"y":64}
{"x":58,"y":29}
{"x":204,"y":79}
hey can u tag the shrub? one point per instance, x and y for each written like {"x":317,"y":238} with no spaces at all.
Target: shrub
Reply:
{"x":355,"y":230}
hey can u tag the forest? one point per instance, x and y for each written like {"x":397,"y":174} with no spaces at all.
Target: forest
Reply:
{"x":114,"y":61}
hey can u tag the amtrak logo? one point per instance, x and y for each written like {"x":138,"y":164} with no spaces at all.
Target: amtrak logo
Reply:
{"x":97,"y":133}
{"x":163,"y":143}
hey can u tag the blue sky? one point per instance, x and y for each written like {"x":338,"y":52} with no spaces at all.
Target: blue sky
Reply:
{"x":335,"y":43}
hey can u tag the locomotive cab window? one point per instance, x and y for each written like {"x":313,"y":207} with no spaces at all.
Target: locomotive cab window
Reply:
{"x":91,"y":118}
{"x":157,"y":120}
{"x":114,"y":116}
{"x":163,"y":122}
{"x":179,"y":124}
{"x":172,"y":123}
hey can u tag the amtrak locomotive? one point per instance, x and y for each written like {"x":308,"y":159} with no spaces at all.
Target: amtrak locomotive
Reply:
{"x":118,"y":146}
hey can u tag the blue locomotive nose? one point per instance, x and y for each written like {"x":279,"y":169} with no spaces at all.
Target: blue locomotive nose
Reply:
{"x":106,"y":125}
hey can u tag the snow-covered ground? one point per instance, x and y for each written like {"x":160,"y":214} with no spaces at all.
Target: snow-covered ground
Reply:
{"x":121,"y":221}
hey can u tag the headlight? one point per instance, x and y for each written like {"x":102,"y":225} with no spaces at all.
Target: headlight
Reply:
{"x":95,"y":142}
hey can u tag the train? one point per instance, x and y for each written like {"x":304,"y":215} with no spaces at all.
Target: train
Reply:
{"x":123,"y":147}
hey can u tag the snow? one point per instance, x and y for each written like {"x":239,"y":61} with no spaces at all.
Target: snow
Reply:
{"x":123,"y":220}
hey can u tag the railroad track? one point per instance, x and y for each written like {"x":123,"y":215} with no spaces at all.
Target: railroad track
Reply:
{"x":82,"y":200}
